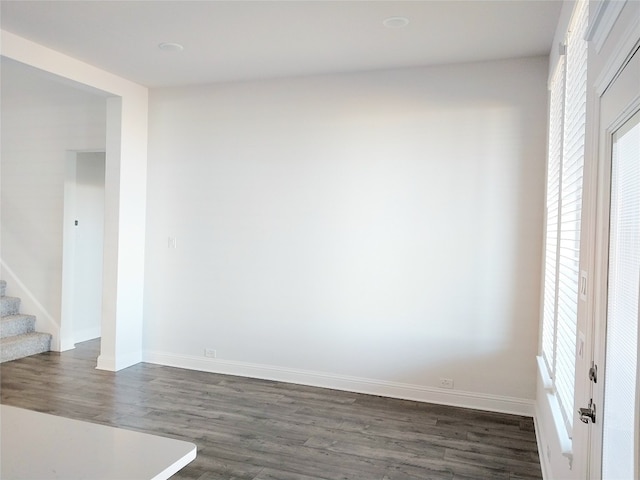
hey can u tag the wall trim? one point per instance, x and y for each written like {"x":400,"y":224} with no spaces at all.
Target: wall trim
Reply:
{"x":86,"y":334}
{"x":624,"y":49}
{"x":547,"y":382}
{"x":539,"y":436}
{"x":566,"y":445}
{"x":456,"y":398}
{"x":107,"y":363}
{"x":112,"y":363}
{"x":602,"y":20}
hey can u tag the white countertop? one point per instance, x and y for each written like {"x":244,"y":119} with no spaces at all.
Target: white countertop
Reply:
{"x":40,"y":446}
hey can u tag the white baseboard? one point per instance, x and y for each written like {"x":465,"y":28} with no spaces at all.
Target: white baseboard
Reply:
{"x":107,"y":363}
{"x":123,"y":360}
{"x":86,"y":334}
{"x":479,"y":401}
{"x":66,"y":343}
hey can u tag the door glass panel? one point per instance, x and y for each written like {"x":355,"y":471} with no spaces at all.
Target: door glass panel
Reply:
{"x":619,"y":415}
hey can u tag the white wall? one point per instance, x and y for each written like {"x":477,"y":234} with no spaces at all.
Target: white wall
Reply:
{"x":41,"y":121}
{"x":374,"y":231}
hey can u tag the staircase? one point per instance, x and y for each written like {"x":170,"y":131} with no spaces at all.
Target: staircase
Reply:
{"x":18,"y":337}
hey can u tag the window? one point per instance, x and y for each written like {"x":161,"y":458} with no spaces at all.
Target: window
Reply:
{"x":564,"y":203}
{"x":618,"y":415}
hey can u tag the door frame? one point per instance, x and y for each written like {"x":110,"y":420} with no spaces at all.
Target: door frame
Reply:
{"x":600,"y":259}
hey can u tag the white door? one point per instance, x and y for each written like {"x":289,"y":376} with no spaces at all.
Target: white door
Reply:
{"x":613,"y":414}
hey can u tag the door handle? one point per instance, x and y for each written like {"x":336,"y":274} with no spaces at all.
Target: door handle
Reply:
{"x":588,"y":415}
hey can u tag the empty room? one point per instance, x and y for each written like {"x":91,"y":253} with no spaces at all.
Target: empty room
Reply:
{"x":320,"y":239}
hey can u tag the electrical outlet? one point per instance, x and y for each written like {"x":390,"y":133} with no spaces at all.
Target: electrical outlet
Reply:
{"x":446,"y":383}
{"x":209,"y":352}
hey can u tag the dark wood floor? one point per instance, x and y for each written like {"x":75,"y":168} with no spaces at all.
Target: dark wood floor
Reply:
{"x":248,"y":429}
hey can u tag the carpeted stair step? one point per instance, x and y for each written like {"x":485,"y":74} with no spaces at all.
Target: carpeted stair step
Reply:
{"x":19,"y":346}
{"x":17,"y":336}
{"x":17,"y":324}
{"x":9,"y":306}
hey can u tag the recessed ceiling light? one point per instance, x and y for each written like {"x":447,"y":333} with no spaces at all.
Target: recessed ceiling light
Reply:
{"x":395,"y":22}
{"x":170,"y":47}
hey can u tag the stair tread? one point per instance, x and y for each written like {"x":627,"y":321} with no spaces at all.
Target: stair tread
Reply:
{"x":15,"y":316}
{"x":22,"y":337}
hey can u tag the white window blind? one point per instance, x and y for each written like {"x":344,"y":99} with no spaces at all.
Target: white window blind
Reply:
{"x":556,"y":114}
{"x":564,"y":204}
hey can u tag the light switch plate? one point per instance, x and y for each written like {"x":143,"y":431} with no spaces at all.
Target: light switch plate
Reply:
{"x":583,"y":285}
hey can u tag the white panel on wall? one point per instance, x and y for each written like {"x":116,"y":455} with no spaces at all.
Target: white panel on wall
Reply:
{"x":383,"y":225}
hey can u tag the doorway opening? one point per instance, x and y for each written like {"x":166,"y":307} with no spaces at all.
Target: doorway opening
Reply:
{"x":83,"y":251}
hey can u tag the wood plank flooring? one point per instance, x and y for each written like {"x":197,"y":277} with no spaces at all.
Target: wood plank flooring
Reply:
{"x":248,"y":429}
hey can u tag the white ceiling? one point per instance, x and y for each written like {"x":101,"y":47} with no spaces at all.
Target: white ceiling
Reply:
{"x":242,"y":40}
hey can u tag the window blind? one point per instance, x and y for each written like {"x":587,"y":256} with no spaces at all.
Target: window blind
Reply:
{"x":556,"y":114}
{"x":570,"y":211}
{"x":564,"y":205}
